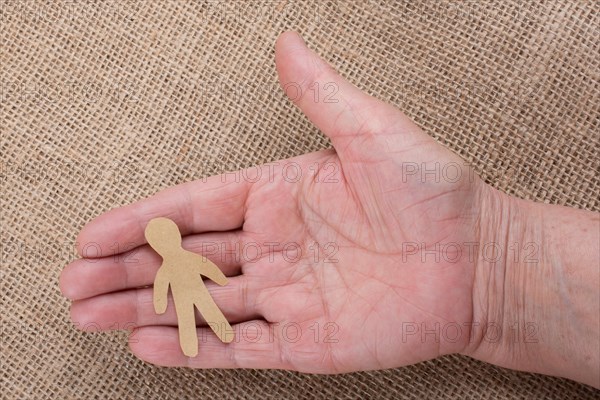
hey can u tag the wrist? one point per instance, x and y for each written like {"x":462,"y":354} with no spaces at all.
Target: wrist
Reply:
{"x":535,"y":288}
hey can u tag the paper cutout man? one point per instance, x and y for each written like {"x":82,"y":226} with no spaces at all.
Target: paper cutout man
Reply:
{"x":182,"y":270}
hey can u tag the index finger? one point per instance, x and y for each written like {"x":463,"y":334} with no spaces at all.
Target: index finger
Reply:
{"x":213,"y":204}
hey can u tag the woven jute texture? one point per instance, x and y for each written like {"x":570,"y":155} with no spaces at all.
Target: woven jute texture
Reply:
{"x":105,"y":103}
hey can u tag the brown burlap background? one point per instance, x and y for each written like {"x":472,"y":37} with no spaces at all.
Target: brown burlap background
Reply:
{"x":103,"y":104}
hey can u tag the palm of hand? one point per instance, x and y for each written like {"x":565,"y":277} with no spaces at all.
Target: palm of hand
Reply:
{"x":358,"y":270}
{"x":347,"y":272}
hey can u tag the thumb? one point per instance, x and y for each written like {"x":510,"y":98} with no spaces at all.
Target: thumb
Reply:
{"x":338,"y":108}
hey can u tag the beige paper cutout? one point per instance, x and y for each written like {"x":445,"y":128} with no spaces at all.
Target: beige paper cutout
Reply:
{"x":181,"y":270}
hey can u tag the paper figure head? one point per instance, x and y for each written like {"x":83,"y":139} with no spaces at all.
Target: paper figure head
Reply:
{"x":163,"y":235}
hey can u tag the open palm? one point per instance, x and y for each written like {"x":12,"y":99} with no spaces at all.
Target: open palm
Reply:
{"x":340,"y":260}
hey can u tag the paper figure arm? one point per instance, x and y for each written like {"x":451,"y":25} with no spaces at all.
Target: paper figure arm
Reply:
{"x":161,"y":291}
{"x":212,"y":272}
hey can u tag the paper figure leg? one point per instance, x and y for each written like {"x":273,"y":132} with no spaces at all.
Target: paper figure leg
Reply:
{"x":188,"y":338}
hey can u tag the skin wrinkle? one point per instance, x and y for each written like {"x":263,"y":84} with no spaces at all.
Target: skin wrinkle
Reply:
{"x":507,"y":235}
{"x":395,"y":289}
{"x":290,"y":361}
{"x":189,"y":206}
{"x":327,"y":358}
{"x":140,"y":216}
{"x":223,"y":205}
{"x":122,"y":268}
{"x":380,"y":215}
{"x":518,"y":290}
{"x":358,"y":153}
{"x":355,"y":199}
{"x":369,"y":204}
{"x":397,"y":253}
{"x":232,"y":354}
{"x":393,"y":130}
{"x":338,"y":232}
{"x":555,"y":264}
{"x":310,"y":184}
{"x":245,"y":194}
{"x":321,"y":288}
{"x":524,"y":292}
{"x":244,"y":294}
{"x":373,"y":348}
{"x":137,"y":309}
{"x":476,"y":300}
{"x":426,"y":200}
{"x":415,"y":306}
{"x":337,"y":132}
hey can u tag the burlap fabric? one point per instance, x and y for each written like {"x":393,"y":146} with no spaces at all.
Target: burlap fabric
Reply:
{"x":103,"y":104}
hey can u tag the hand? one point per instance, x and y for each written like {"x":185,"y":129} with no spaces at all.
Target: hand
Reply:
{"x":346,"y":259}
{"x":351,"y":219}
